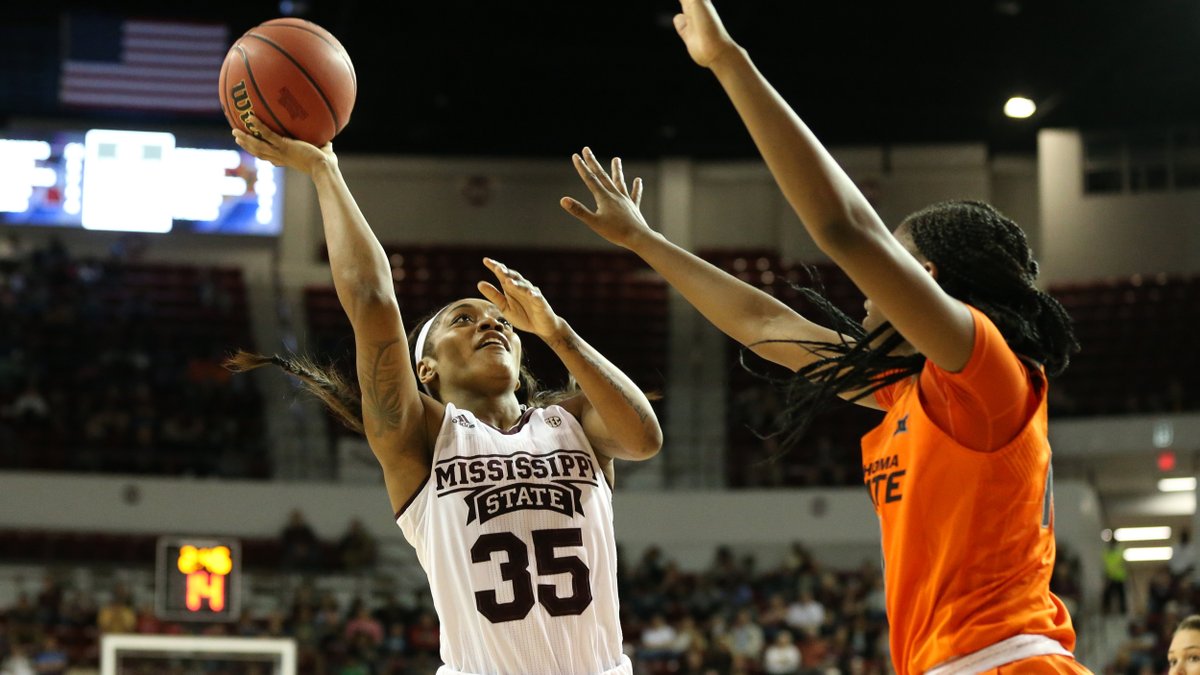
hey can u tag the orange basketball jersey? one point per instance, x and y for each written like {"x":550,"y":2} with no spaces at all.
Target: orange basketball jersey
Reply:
{"x":968,"y":536}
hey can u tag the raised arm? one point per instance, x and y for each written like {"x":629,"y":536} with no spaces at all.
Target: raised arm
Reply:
{"x":741,"y":311}
{"x":394,"y":412}
{"x":835,"y":213}
{"x":614,"y":412}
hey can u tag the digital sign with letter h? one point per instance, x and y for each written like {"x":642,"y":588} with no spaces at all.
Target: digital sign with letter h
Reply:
{"x":198,"y":579}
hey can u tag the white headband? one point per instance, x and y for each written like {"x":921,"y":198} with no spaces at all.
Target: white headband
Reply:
{"x":419,"y":348}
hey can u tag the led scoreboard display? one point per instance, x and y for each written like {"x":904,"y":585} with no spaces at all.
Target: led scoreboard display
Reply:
{"x":137,"y":181}
{"x":198,"y":579}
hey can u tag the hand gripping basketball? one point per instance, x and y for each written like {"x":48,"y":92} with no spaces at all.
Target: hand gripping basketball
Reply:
{"x":294,"y":76}
{"x":280,"y":151}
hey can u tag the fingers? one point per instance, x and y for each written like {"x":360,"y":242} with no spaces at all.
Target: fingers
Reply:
{"x":589,"y":178}
{"x":509,"y":278}
{"x":259,"y":148}
{"x":636,"y":195}
{"x":593,"y":164}
{"x":493,"y":295}
{"x":618,"y":176}
{"x":576,"y":209}
{"x":260,"y":130}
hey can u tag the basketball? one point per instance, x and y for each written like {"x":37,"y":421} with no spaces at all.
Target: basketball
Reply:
{"x":293,"y":76}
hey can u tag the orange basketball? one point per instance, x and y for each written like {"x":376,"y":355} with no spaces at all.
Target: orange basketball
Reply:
{"x":294,"y":76}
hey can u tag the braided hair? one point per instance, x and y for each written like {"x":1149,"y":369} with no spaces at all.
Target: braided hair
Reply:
{"x":984,"y":260}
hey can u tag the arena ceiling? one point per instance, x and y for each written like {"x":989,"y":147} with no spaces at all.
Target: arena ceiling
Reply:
{"x":543,"y":77}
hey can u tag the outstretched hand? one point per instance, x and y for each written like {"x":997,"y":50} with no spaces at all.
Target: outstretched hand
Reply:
{"x":618,"y":217}
{"x":701,"y":29}
{"x":281,"y":150}
{"x":520,"y":302}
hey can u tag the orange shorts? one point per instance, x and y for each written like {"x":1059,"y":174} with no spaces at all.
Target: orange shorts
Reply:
{"x":1051,"y":664}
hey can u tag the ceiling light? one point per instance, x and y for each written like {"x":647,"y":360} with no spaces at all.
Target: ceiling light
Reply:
{"x":1148,"y":553}
{"x":1019,"y":107}
{"x":1142,"y":533}
{"x":1184,"y":484}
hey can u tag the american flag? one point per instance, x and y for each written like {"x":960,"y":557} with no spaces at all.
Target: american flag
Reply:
{"x":112,"y":62}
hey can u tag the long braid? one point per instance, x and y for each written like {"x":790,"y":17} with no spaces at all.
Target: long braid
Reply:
{"x":850,"y":367}
{"x":326,"y":384}
{"x":983,"y":259}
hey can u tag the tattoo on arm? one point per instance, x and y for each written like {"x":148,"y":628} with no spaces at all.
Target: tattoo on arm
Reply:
{"x":603,"y":369}
{"x":381,"y":387}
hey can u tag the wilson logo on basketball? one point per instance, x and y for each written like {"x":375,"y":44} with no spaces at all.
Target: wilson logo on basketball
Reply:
{"x":242,"y":103}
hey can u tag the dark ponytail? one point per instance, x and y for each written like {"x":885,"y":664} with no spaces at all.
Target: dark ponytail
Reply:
{"x":326,"y":383}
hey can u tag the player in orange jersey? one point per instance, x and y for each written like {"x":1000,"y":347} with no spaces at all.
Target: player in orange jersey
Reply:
{"x":956,"y":347}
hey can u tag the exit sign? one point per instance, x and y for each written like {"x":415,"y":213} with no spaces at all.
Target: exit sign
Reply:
{"x":198,"y":579}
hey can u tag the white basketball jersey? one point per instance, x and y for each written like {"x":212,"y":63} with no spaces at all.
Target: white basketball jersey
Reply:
{"x":514,"y":530}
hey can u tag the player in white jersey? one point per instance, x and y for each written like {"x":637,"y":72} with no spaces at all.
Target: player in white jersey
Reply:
{"x":508,"y":507}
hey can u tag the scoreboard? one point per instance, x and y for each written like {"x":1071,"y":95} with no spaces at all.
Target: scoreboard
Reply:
{"x":198,"y":579}
{"x":137,"y":181}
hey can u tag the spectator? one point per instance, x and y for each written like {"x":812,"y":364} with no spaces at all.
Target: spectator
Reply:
{"x":658,"y":641}
{"x":650,"y":570}
{"x":1114,"y":579}
{"x":395,"y":645}
{"x":49,"y":601}
{"x":356,"y":548}
{"x":391,"y":613}
{"x":18,"y":662}
{"x":1184,"y":651}
{"x":118,"y":615}
{"x":688,"y":637}
{"x":1183,"y":556}
{"x":304,"y":627}
{"x":705,"y":599}
{"x":774,"y":617}
{"x":806,"y":614}
{"x":147,"y":621}
{"x":783,"y":656}
{"x":329,"y":617}
{"x":745,"y":640}
{"x":301,"y":550}
{"x":1160,"y":591}
{"x":22,"y":621}
{"x":51,"y":659}
{"x":424,"y":637}
{"x":364,"y":624}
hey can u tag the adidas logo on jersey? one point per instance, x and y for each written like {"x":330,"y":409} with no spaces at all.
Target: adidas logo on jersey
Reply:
{"x":462,"y":421}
